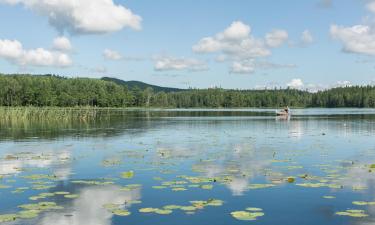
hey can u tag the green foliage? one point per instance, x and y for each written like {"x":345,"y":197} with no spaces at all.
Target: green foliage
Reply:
{"x":54,"y":91}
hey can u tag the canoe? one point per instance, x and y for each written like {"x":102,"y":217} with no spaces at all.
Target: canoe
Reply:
{"x":282,"y":113}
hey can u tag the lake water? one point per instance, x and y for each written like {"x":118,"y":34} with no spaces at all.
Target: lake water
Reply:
{"x":168,"y":167}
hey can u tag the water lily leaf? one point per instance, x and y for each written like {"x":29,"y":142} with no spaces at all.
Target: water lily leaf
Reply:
{"x":127,"y":174}
{"x":352,"y":213}
{"x":254,"y":209}
{"x":245,"y":215}
{"x":8,"y":217}
{"x":329,"y":197}
{"x":363,"y":203}
{"x":207,"y":186}
{"x":163,"y":211}
{"x":147,"y":210}
{"x":71,"y":196}
{"x":121,"y":212}
{"x":259,"y":186}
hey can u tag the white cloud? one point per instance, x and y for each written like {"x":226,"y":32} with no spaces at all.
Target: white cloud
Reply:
{"x":83,"y":16}
{"x":207,"y":45}
{"x":276,"y":38}
{"x":172,"y":63}
{"x":235,"y":41}
{"x":371,"y":6}
{"x":13,"y":51}
{"x":62,"y":44}
{"x":112,"y":54}
{"x":296,"y":84}
{"x":343,"y":83}
{"x":236,"y":31}
{"x":242,"y":67}
{"x":306,"y":37}
{"x":237,"y":45}
{"x":356,"y":39}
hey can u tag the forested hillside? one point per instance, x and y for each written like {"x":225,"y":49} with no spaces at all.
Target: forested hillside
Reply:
{"x":29,"y":90}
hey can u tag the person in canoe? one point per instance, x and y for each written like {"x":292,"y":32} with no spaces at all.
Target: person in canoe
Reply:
{"x":284,"y":112}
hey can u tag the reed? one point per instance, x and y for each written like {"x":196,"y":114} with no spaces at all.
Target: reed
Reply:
{"x":52,"y":114}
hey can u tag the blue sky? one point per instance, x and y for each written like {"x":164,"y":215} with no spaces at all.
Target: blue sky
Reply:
{"x":310,"y":44}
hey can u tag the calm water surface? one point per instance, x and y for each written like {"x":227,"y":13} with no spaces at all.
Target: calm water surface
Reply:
{"x":305,"y":170}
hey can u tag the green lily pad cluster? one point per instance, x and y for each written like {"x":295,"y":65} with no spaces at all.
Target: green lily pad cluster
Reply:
{"x":111,"y":162}
{"x":127,"y":174}
{"x":363,"y":203}
{"x":40,"y":177}
{"x":20,"y":190}
{"x":195,"y":205}
{"x":116,"y":209}
{"x":92,"y":182}
{"x":30,"y":211}
{"x":260,"y":186}
{"x":250,"y":214}
{"x":131,"y":187}
{"x":352,"y":213}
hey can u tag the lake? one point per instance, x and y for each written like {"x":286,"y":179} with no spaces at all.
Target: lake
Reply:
{"x":168,"y":167}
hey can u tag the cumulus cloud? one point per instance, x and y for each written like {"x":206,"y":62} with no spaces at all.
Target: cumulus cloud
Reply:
{"x":237,"y":45}
{"x":83,"y":16}
{"x":371,"y":6}
{"x":306,"y":37}
{"x":112,"y":54}
{"x":276,"y":38}
{"x":242,"y":67}
{"x":13,"y":51}
{"x":296,"y":83}
{"x":235,"y":41}
{"x":173,"y":63}
{"x":356,"y":39}
{"x":62,"y":44}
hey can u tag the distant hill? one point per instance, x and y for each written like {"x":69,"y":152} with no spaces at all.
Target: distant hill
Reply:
{"x":132,"y":84}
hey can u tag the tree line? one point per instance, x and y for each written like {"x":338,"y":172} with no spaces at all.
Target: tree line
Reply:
{"x":41,"y":91}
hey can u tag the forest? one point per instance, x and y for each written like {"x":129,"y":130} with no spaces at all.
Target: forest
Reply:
{"x":56,"y":91}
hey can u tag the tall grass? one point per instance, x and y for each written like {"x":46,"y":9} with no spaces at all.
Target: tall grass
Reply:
{"x":49,"y":114}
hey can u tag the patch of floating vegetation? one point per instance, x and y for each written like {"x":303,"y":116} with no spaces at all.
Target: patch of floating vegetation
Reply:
{"x":41,"y":187}
{"x":20,"y":190}
{"x":207,"y":186}
{"x":259,"y":186}
{"x":30,"y":211}
{"x":329,"y":197}
{"x":115,"y":209}
{"x":8,"y":217}
{"x":352,"y":213}
{"x":4,"y":186}
{"x":40,"y":177}
{"x":195,"y":205}
{"x":250,"y":214}
{"x":319,"y":185}
{"x":92,"y":182}
{"x":111,"y":162}
{"x":71,"y":196}
{"x":363,"y":203}
{"x":131,"y":187}
{"x":41,"y":196}
{"x":127,"y":174}
{"x":159,"y":187}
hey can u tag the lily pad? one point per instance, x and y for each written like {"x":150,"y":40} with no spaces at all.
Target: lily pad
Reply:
{"x":245,"y":215}
{"x":352,"y":213}
{"x":127,"y":174}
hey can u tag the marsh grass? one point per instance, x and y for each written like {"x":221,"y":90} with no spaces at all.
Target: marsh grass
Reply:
{"x":49,"y":114}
